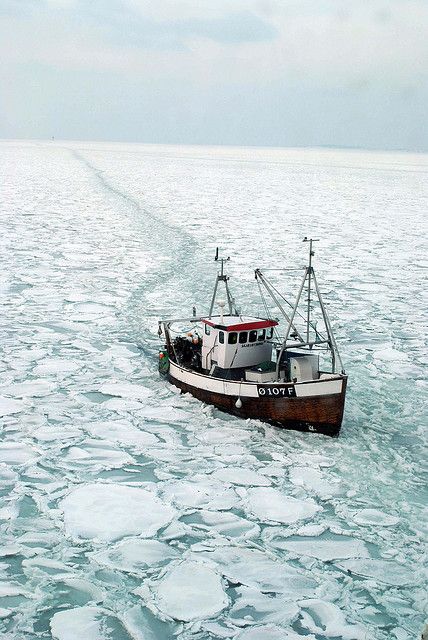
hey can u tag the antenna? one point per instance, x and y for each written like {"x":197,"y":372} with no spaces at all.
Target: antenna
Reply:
{"x":309,"y":272}
{"x":221,"y":275}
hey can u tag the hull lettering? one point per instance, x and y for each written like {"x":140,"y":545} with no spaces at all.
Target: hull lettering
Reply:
{"x":272,"y":391}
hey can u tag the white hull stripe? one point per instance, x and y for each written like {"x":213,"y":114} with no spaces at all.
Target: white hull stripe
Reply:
{"x":249,"y":389}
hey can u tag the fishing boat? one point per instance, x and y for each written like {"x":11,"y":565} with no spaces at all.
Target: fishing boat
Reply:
{"x":284,"y":370}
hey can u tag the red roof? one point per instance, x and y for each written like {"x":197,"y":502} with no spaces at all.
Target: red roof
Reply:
{"x":239,"y":324}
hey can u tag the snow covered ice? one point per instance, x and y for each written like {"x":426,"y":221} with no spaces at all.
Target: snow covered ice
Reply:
{"x":270,"y":505}
{"x":129,"y":512}
{"x":191,"y":590}
{"x":108,"y":512}
{"x":135,"y":555}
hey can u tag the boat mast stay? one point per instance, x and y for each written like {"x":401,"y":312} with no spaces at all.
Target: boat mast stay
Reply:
{"x":222,"y":277}
{"x":335,"y":355}
{"x":274,"y":294}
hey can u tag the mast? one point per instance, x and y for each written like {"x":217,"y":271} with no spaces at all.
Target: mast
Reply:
{"x":318,"y":339}
{"x":222,"y":277}
{"x":309,"y":274}
{"x":290,"y":324}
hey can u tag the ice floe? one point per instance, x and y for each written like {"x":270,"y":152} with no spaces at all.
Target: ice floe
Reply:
{"x":56,"y":367}
{"x":86,"y":623}
{"x":227,"y":524}
{"x":7,"y":475}
{"x":255,"y":568}
{"x":270,"y":505}
{"x":125,"y":390}
{"x":375,"y":517}
{"x":142,"y":624}
{"x":384,"y":571}
{"x":9,"y":550}
{"x":223,"y":435}
{"x":240,"y":476}
{"x":97,"y":454}
{"x":120,"y":404}
{"x":270,"y":632}
{"x":315,"y":481}
{"x":200,"y":492}
{"x":46,"y":565}
{"x":322,"y":549}
{"x":40,"y":538}
{"x":190,"y":591}
{"x":16,"y":453}
{"x":85,"y":589}
{"x":217,"y":630}
{"x":312,"y":459}
{"x":252,"y":604}
{"x":33,"y":388}
{"x":311,"y":529}
{"x":159,"y":414}
{"x":29,"y":355}
{"x":11,"y":510}
{"x":135,"y":555}
{"x":52,"y":432}
{"x":326,"y":619}
{"x":9,"y":406}
{"x":108,"y":512}
{"x":122,"y":432}
{"x":11,"y":589}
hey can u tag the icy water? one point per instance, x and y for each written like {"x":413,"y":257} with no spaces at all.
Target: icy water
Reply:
{"x":128,"y":511}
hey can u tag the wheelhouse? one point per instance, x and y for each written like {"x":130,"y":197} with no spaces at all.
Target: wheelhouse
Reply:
{"x":236,"y":342}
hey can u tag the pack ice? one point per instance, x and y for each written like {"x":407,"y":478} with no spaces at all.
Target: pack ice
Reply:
{"x":129,"y":511}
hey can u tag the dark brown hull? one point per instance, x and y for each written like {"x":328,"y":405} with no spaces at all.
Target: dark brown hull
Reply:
{"x":320,"y":414}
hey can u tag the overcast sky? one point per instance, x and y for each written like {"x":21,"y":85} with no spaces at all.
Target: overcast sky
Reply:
{"x":350,"y":73}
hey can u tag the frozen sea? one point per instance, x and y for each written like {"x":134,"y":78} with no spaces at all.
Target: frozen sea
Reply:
{"x":128,"y":511}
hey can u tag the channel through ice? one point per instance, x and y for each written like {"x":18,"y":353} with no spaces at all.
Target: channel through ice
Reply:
{"x":130,"y":512}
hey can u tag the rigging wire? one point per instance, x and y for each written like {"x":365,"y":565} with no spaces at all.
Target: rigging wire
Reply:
{"x":319,"y":335}
{"x":266,"y":307}
{"x":266,"y":284}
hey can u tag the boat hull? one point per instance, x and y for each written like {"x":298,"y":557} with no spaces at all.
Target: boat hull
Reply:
{"x":299,"y":406}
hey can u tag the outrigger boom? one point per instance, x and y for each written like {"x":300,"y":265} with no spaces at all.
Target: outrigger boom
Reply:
{"x":236,"y":363}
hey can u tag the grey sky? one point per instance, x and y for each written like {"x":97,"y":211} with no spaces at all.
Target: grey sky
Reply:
{"x":250,"y":72}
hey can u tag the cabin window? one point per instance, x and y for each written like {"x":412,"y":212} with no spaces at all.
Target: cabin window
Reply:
{"x":221,"y":337}
{"x":261,"y":334}
{"x":252,"y":336}
{"x":207,"y":329}
{"x":243,"y":337}
{"x":233,"y":337}
{"x":269,"y":333}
